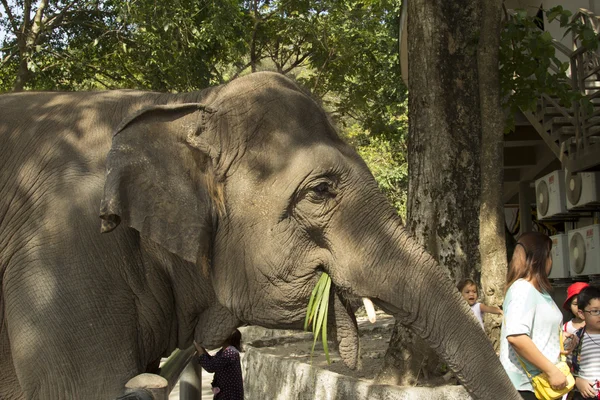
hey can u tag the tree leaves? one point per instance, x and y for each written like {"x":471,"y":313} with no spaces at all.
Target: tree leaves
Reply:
{"x":529,"y":66}
{"x":344,"y":53}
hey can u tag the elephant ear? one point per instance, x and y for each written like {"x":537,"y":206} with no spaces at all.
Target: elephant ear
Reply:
{"x":160,"y":178}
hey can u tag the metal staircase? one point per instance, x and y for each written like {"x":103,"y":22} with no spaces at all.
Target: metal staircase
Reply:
{"x":572,"y":131}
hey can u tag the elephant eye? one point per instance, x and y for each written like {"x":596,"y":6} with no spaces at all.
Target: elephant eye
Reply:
{"x":321,"y":188}
{"x":322,"y":191}
{"x":316,"y":198}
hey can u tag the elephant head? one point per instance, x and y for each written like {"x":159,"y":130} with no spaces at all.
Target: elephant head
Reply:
{"x":253,"y":186}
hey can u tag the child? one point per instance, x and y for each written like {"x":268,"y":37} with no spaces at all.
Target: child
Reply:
{"x":468,"y":290}
{"x":586,"y":356}
{"x":570,"y":304}
{"x":227,"y":382}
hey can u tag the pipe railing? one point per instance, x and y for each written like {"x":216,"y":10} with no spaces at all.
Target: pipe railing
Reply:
{"x":182,"y":366}
{"x":586,"y":62}
{"x":585,"y":69}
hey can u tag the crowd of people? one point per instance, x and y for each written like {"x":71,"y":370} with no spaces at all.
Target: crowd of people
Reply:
{"x":534,"y":338}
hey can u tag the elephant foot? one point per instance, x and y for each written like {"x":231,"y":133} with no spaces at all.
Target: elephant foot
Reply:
{"x":145,"y":387}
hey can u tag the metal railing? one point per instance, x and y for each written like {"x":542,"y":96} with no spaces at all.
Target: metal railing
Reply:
{"x":182,"y":366}
{"x":583,"y":72}
{"x":572,"y":131}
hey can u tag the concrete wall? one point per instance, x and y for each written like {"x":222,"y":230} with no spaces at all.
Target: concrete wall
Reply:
{"x":267,"y":376}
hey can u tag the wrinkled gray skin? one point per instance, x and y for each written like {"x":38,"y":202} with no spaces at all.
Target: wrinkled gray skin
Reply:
{"x":215,"y":213}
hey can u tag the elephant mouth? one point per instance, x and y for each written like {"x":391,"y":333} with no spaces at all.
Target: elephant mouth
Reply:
{"x":345,"y":327}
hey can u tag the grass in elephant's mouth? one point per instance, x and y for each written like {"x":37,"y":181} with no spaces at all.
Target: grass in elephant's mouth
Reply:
{"x":316,"y":313}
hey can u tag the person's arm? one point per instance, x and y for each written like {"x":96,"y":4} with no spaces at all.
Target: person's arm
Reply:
{"x":206,"y":360}
{"x":527,"y":350}
{"x":217,"y":362}
{"x":491,"y":309}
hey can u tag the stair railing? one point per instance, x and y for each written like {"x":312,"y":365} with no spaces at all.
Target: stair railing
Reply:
{"x":585,"y":68}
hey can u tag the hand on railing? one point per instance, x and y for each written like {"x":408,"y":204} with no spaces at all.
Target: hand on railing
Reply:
{"x":201,"y":350}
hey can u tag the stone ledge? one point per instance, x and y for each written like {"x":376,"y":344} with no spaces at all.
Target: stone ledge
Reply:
{"x":270,"y":377}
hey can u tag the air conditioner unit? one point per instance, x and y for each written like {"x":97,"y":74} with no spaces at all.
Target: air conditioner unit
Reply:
{"x":550,"y":195}
{"x":584,"y":250}
{"x":560,"y":256}
{"x":583,"y":190}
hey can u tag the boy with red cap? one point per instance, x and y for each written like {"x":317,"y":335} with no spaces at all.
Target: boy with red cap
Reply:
{"x":570,"y":304}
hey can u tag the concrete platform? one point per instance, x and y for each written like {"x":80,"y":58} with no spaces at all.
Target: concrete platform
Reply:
{"x":270,"y":377}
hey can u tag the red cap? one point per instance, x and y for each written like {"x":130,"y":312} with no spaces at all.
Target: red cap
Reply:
{"x":573,"y":290}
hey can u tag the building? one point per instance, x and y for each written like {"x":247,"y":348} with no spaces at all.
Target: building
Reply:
{"x":552,"y":159}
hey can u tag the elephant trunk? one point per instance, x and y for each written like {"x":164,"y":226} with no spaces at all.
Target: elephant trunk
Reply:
{"x":413,"y":287}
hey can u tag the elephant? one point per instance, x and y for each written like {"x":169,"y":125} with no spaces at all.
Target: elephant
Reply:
{"x":133,"y":222}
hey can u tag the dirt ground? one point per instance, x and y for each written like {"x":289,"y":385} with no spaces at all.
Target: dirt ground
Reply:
{"x":374,"y":340}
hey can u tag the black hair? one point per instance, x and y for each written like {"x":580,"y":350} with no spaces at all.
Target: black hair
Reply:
{"x":587,"y":295}
{"x":235,"y":340}
{"x":461,"y":285}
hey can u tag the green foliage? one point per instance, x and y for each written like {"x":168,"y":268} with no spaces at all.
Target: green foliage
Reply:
{"x":581,"y":27}
{"x":386,"y":158}
{"x":317,"y":313}
{"x":174,"y":46}
{"x":344,"y":53}
{"x":180,"y":45}
{"x":355,"y":64}
{"x":529,"y":66}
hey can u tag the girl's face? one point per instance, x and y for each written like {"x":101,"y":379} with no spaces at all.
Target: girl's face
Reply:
{"x":549,"y":264}
{"x":469,"y":293}
{"x":574,"y":308}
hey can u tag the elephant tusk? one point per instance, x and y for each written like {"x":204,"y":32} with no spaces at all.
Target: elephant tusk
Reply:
{"x":370,"y":309}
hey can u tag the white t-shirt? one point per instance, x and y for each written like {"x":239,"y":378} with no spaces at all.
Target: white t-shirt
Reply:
{"x":568,"y":327}
{"x":529,"y":312}
{"x":476,"y":308}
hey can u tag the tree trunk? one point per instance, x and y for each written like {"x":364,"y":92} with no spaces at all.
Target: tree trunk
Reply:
{"x":445,"y":132}
{"x":443,"y":156}
{"x":23,"y":73}
{"x":492,"y":225}
{"x":253,"y":52}
{"x":22,"y":76}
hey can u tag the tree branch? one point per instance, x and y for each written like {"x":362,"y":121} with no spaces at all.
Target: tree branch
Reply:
{"x":51,"y":20}
{"x":8,"y":47}
{"x":7,"y":59}
{"x":241,"y":69}
{"x":37,"y":22}
{"x":218,"y":74}
{"x":298,"y":61}
{"x":105,"y":74}
{"x":102,"y":83}
{"x":11,"y":17}
{"x":26,"y":16}
{"x":331,"y":52}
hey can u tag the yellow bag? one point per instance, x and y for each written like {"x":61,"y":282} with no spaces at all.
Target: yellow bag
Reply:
{"x":541,"y":386}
